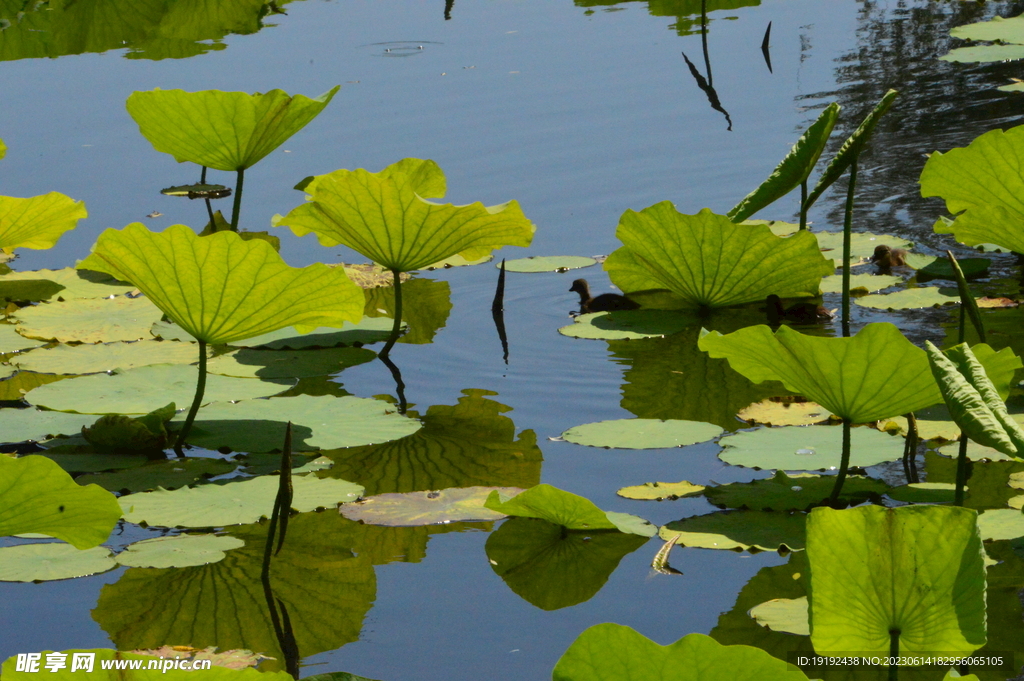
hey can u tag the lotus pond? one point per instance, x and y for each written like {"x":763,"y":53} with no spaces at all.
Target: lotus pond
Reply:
{"x":269,"y":397}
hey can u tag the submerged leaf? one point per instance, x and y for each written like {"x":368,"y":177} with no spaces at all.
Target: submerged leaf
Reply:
{"x":221,"y":288}
{"x":37,"y":222}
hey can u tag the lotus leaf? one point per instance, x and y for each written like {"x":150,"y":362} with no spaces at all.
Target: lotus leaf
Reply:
{"x":383,"y":217}
{"x":37,"y":222}
{"x":457,"y":261}
{"x":784,"y":614}
{"x":862,"y":245}
{"x":218,"y":672}
{"x":875,"y":374}
{"x":982,"y":188}
{"x":47,"y":562}
{"x":221,"y":288}
{"x":975,"y":452}
{"x":808,"y":448}
{"x":6,"y":370}
{"x":12,"y":341}
{"x":710,"y":261}
{"x":28,"y":291}
{"x":120,"y":434}
{"x":17,"y":386}
{"x":91,"y":359}
{"x":368,"y":330}
{"x":233,"y":503}
{"x":641,"y":433}
{"x":793,"y":169}
{"x":75,"y":283}
{"x":551,"y":568}
{"x":729,"y":530}
{"x":37,"y":496}
{"x":86,"y":460}
{"x":792,"y":493}
{"x":426,"y":508}
{"x":22,"y":425}
{"x":258,"y":425}
{"x":222,"y":130}
{"x":627,"y":325}
{"x":145,"y":389}
{"x":780,"y":412}
{"x":915,"y":570}
{"x":89,"y":321}
{"x":178,"y":551}
{"x":556,"y":506}
{"x":661,"y":490}
{"x":859,"y":283}
{"x":612,"y":652}
{"x":985,"y":53}
{"x":924,"y":493}
{"x":167,"y":474}
{"x":923,"y":296}
{"x":549,"y":263}
{"x":1007,"y":33}
{"x":3,"y":149}
{"x":247,"y":363}
{"x":1003,"y":523}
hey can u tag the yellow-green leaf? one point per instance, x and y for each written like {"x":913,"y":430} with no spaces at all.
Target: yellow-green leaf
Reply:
{"x":37,"y":222}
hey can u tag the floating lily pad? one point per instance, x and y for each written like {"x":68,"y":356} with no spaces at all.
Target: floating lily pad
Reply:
{"x":627,"y":324}
{"x":548,"y":263}
{"x":862,"y":245}
{"x":12,"y":341}
{"x":924,"y":492}
{"x":661,"y":490}
{"x":248,"y":363}
{"x":778,"y":227}
{"x":146,"y":389}
{"x":931,"y":267}
{"x":17,"y":386}
{"x":784,"y":413}
{"x":234,"y":503}
{"x":258,"y":425}
{"x":787,"y":615}
{"x":1006,"y":33}
{"x":28,"y":290}
{"x":90,"y":462}
{"x":47,"y":562}
{"x":933,"y":423}
{"x":23,"y":425}
{"x":89,"y":321}
{"x":808,"y":448}
{"x":859,"y":283}
{"x":923,"y":296}
{"x":975,"y":452}
{"x":426,"y":508}
{"x":177,"y":552}
{"x":792,"y":493}
{"x":90,"y":359}
{"x":764,"y":530}
{"x":369,"y":330}
{"x":457,"y":261}
{"x":569,"y":510}
{"x":1004,"y":523}
{"x":77,"y":283}
{"x":641,"y":433}
{"x":7,"y":370}
{"x":198,"y":191}
{"x":169,"y":474}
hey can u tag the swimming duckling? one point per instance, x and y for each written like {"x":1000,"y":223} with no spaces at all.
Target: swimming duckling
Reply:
{"x":606,"y":302}
{"x":886,"y":258}
{"x":801,"y":313}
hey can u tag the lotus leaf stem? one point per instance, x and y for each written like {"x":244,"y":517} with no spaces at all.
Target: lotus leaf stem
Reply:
{"x":910,"y":449}
{"x":894,"y":653}
{"x":206,"y":200}
{"x":803,"y":204}
{"x":397,"y":327}
{"x":844,"y":464}
{"x":961,"y":471}
{"x":200,"y":389}
{"x":847,"y":224}
{"x":237,"y":207}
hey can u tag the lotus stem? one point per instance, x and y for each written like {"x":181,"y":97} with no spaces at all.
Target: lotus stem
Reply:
{"x":910,"y":449}
{"x":803,"y":204}
{"x":397,"y":327}
{"x":237,"y":207}
{"x":200,"y":389}
{"x":894,"y":653}
{"x":844,"y":463}
{"x":206,"y":199}
{"x":961,"y":470}
{"x":847,"y":224}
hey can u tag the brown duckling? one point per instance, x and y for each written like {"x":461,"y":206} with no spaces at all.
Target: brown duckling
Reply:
{"x":801,"y":313}
{"x":885,"y":257}
{"x":606,"y":302}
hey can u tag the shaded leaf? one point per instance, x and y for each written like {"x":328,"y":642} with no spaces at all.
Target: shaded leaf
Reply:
{"x":797,"y":493}
{"x":808,"y":448}
{"x":729,"y":530}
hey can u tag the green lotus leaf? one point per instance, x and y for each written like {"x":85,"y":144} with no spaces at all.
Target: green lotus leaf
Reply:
{"x":911,"y":298}
{"x":862,"y":245}
{"x":234,"y":503}
{"x":641,"y":433}
{"x":426,"y":508}
{"x":548,"y":263}
{"x":426,"y":304}
{"x":793,"y":169}
{"x":28,"y":290}
{"x":972,"y":369}
{"x":220,"y":671}
{"x":661,"y":490}
{"x":23,"y":425}
{"x":75,"y":283}
{"x":16,"y":387}
{"x":199,"y":190}
{"x":985,"y":53}
{"x":167,"y":474}
{"x":551,"y":568}
{"x":851,"y":148}
{"x":383,"y":217}
{"x":120,"y":434}
{"x":91,"y":359}
{"x":808,"y":448}
{"x":859,"y":283}
{"x":924,"y":493}
{"x":873,"y":375}
{"x":982,"y":188}
{"x":3,"y":149}
{"x":975,"y":452}
{"x":248,"y":363}
{"x":37,"y":496}
{"x":918,"y":570}
{"x":1007,"y":33}
{"x":793,"y":493}
{"x":782,"y":412}
{"x":89,"y":321}
{"x":84,"y":459}
{"x":221,"y":288}
{"x":46,"y":562}
{"x":627,"y":324}
{"x":788,"y":615}
{"x":146,"y":389}
{"x":37,"y":222}
{"x":612,"y":652}
{"x":179,"y":551}
{"x":1002,"y":523}
{"x":710,"y":261}
{"x":12,"y":341}
{"x":745,"y":530}
{"x":929,"y":267}
{"x":222,"y":130}
{"x":367,"y":330}
{"x":556,"y":506}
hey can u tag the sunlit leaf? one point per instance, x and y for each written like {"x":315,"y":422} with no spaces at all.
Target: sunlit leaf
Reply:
{"x":21,"y":425}
{"x":76,"y":283}
{"x":709,"y":261}
{"x":807,"y":448}
{"x":90,"y":359}
{"x":728,"y":530}
{"x":859,"y":283}
{"x":12,"y":341}
{"x":911,"y":298}
{"x":782,"y":412}
{"x":220,"y":288}
{"x":383,"y":217}
{"x":37,"y":222}
{"x":627,"y":324}
{"x":797,"y":493}
{"x":784,"y":614}
{"x":641,"y":433}
{"x":1007,"y":33}
{"x":549,"y":263}
{"x":862,"y":245}
{"x":555,"y":506}
{"x":426,"y":508}
{"x":661,"y":490}
{"x":178,"y":551}
{"x":46,"y":562}
{"x":89,"y":321}
{"x":222,"y":130}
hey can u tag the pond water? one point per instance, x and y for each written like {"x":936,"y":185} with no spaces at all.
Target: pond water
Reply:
{"x":579,"y":112}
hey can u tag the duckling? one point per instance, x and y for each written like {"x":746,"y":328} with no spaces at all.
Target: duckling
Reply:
{"x":801,"y":313}
{"x":886,"y":258}
{"x":606,"y":302}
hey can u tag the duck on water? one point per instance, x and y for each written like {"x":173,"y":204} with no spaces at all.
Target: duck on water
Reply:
{"x":606,"y":302}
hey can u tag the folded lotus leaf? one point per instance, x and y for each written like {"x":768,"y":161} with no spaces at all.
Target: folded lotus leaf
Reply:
{"x":709,"y":261}
{"x":37,"y":222}
{"x":222,"y":130}
{"x":221,"y":288}
{"x":384,"y":217}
